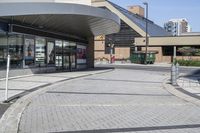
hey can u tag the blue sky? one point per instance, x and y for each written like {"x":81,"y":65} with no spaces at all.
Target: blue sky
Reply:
{"x":161,"y":11}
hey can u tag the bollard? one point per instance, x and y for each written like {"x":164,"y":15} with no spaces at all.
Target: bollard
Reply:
{"x":177,"y":70}
{"x":7,"y":74}
{"x":173,"y":75}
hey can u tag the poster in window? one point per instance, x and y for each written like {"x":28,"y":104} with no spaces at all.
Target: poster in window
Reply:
{"x":40,"y":51}
{"x":50,"y":53}
{"x":29,"y":51}
{"x":81,"y":54}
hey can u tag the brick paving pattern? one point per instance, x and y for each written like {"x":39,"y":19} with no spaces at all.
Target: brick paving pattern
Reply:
{"x":118,"y":101}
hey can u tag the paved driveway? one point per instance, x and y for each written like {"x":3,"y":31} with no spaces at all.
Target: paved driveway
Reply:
{"x":118,"y":101}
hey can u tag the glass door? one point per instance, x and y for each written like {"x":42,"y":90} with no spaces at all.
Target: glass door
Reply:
{"x":51,"y":53}
{"x":66,"y":62}
{"x":59,"y":57}
{"x":73,"y":61}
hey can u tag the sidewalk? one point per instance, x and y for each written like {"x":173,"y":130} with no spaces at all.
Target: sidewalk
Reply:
{"x":119,"y":63}
{"x":19,"y":86}
{"x":190,"y":84}
{"x":119,"y":101}
{"x":187,"y":88}
{"x":133,"y":64}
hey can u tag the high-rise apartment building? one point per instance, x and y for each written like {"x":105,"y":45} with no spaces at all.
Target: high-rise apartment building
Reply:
{"x":177,"y":26}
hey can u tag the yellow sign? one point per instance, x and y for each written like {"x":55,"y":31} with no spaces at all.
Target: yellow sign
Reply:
{"x":100,"y":38}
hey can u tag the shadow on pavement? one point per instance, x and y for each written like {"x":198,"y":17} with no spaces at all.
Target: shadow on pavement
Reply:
{"x":118,"y":94}
{"x":194,"y":73}
{"x":134,"y":129}
{"x":117,"y":80}
{"x":3,"y":108}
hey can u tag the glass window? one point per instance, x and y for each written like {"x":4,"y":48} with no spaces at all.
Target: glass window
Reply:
{"x":81,"y":56}
{"x":3,"y":51}
{"x":59,"y":53}
{"x":108,"y":49}
{"x":29,"y":51}
{"x":50,"y":53}
{"x":66,"y":46}
{"x":15,"y":45}
{"x":167,"y":50}
{"x":72,"y":45}
{"x":40,"y":51}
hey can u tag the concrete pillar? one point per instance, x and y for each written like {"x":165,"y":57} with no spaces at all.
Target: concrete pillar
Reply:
{"x":90,"y":53}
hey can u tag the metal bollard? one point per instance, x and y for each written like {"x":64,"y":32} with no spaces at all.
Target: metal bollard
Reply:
{"x":7,"y":74}
{"x":177,"y":70}
{"x":173,"y":75}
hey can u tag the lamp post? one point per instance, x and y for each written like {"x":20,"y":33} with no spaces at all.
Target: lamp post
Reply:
{"x":147,"y":41}
{"x":111,"y":47}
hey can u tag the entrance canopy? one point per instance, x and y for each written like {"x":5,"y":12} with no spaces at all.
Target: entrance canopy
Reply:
{"x":73,"y":19}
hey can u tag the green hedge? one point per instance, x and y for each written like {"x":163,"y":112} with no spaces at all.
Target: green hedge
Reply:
{"x":188,"y":62}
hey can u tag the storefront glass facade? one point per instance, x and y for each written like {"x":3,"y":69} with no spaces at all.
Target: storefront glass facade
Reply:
{"x":12,"y":45}
{"x":27,"y":51}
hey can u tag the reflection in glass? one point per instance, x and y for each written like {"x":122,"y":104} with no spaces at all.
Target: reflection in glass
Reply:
{"x":50,"y":53}
{"x":40,"y":51}
{"x":58,"y":48}
{"x":15,"y":45}
{"x":73,"y":61}
{"x":29,"y":51}
{"x":3,"y":51}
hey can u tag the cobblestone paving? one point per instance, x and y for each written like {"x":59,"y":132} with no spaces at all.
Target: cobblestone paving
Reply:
{"x":118,"y":101}
{"x":190,"y":84}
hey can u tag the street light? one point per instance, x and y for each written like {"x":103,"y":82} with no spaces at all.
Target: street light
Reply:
{"x":147,"y":41}
{"x":111,"y":53}
{"x":111,"y":45}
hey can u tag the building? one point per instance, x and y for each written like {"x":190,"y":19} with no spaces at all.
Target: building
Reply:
{"x":122,"y":44}
{"x":51,"y":35}
{"x":177,"y":26}
{"x":131,"y":38}
{"x":167,"y":47}
{"x":137,"y":10}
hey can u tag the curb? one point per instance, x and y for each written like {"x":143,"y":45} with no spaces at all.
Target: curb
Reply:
{"x":16,"y":77}
{"x":9,"y":123}
{"x":181,"y":93}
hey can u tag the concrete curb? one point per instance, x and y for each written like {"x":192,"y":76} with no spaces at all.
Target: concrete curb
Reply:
{"x":148,"y":65}
{"x":9,"y":123}
{"x":179,"y":92}
{"x":16,"y":77}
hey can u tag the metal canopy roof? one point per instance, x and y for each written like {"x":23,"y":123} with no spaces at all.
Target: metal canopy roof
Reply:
{"x":153,"y":29}
{"x":75,"y":19}
{"x":135,"y":22}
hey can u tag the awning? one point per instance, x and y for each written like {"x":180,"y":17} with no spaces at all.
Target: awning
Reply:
{"x":81,"y":20}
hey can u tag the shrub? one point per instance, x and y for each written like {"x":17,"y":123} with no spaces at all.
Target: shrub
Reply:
{"x":188,"y":62}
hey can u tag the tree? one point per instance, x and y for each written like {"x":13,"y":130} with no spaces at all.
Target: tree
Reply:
{"x":188,"y":51}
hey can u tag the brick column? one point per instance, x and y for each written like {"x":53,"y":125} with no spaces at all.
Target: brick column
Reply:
{"x":90,"y":53}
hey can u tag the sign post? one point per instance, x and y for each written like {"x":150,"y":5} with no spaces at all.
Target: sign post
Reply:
{"x":7,"y":74}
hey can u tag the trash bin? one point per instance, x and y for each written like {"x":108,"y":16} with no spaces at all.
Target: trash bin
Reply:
{"x":139,"y":57}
